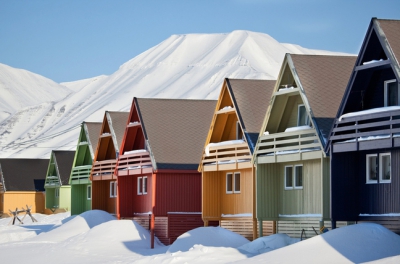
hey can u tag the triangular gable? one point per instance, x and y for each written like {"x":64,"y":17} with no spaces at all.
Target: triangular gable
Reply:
{"x":175,"y":130}
{"x":316,"y":82}
{"x":380,"y":50}
{"x":23,"y":174}
{"x":59,"y":168}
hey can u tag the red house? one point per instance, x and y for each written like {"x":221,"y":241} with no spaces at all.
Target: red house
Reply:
{"x":158,"y":182}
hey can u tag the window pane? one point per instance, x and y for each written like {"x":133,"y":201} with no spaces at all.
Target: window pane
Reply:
{"x":139,"y":185}
{"x":288,"y":177}
{"x":302,"y":116}
{"x":144,"y":185}
{"x":371,"y":173}
{"x":229,"y":182}
{"x":237,"y":182}
{"x":392,"y":94}
{"x":385,"y":167}
{"x":89,"y":192}
{"x":298,"y":176}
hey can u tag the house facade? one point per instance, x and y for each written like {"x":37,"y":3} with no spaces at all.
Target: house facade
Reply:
{"x":81,"y":186}
{"x":104,"y":182}
{"x":228,"y":196}
{"x":57,"y":187}
{"x":364,"y":143}
{"x":22,"y":185}
{"x":158,"y":182}
{"x":293,"y":170}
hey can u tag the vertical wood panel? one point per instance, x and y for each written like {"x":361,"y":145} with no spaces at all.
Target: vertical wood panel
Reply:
{"x":211,"y":195}
{"x":101,"y":199}
{"x":79,"y":201}
{"x":268,"y":190}
{"x":18,"y":200}
{"x":130,"y":202}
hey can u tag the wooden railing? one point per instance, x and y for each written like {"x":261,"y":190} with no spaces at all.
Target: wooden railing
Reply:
{"x":225,"y":157}
{"x":367,"y":131}
{"x":52,"y":180}
{"x":80,"y":174}
{"x":134,"y":163}
{"x":103,"y":170}
{"x":288,"y":142}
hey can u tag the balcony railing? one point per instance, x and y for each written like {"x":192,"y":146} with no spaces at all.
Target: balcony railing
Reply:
{"x":370,"y":129}
{"x":81,"y":174}
{"x":103,"y":170}
{"x":134,"y":163}
{"x":289,"y":146}
{"x":227,"y":157}
{"x":52,"y":180}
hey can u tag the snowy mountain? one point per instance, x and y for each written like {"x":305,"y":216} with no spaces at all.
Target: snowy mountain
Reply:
{"x":38,"y":115}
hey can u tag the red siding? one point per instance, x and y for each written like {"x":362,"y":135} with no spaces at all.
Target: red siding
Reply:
{"x":177,"y":192}
{"x":129,"y":201}
{"x":101,"y":199}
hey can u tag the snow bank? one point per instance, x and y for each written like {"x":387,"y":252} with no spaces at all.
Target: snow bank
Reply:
{"x":207,"y":236}
{"x":268,"y":243}
{"x":351,"y":244}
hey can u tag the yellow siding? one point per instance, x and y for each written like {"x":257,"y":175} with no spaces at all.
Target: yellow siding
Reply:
{"x":18,"y":200}
{"x":211,"y":197}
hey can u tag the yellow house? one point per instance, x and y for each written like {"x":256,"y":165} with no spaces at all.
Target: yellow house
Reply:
{"x":22,"y":184}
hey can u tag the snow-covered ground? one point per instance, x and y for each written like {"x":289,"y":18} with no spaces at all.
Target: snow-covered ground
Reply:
{"x":97,"y":237}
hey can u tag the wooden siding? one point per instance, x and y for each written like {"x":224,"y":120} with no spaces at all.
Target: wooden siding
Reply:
{"x":12,"y":200}
{"x":161,"y":229}
{"x":294,"y":228}
{"x":177,"y":192}
{"x":129,"y":201}
{"x":182,"y":223}
{"x":65,"y":198}
{"x":101,"y":199}
{"x":211,"y":196}
{"x":79,"y":201}
{"x":273,"y":199}
{"x":52,"y":201}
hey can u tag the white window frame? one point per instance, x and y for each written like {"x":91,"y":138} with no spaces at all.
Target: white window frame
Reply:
{"x":229,"y":174}
{"x":57,"y":192}
{"x":386,"y":92}
{"x":298,"y":115}
{"x":368,"y":181}
{"x":381,"y":180}
{"x":295,"y":176}
{"x":89,"y":192}
{"x":291,"y":176}
{"x":142,"y":185}
{"x":113,"y":189}
{"x":235,"y":185}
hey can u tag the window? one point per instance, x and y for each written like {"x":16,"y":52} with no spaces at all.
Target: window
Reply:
{"x":293,"y":178}
{"x":239,"y":133}
{"x":89,"y":192}
{"x":372,"y":168}
{"x":113,"y":189}
{"x":142,"y":185}
{"x":302,"y":117}
{"x":233,"y":182}
{"x":391,"y":93}
{"x":384,"y":168}
{"x":57,"y":192}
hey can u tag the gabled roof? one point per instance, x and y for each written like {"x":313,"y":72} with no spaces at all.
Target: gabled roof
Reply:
{"x":175,"y":130}
{"x":117,"y":122}
{"x":92,"y":130}
{"x":63,"y":160}
{"x":251,"y":99}
{"x":23,"y":174}
{"x":323,"y":79}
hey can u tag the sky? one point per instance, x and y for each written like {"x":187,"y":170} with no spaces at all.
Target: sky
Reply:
{"x":73,"y":40}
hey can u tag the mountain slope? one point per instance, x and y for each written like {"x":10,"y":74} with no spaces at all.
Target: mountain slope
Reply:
{"x":182,"y":66}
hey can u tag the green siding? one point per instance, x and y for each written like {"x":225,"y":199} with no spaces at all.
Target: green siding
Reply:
{"x":80,"y":203}
{"x":51,"y":200}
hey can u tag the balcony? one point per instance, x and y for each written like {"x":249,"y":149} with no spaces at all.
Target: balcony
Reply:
{"x":134,"y":162}
{"x":298,"y":143}
{"x":369,"y":129}
{"x":104,"y":170}
{"x":81,"y":174}
{"x":227,"y":155}
{"x":52,"y":181}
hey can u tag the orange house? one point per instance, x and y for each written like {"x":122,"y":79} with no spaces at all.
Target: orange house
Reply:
{"x":228,"y":175}
{"x":22,"y":184}
{"x":104,"y":182}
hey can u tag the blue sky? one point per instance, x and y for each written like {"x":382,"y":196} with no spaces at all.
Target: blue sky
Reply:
{"x":77,"y":39}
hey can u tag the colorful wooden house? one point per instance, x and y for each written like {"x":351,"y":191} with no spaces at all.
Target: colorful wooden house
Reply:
{"x":158,"y":182}
{"x":58,"y":190}
{"x":104,"y":182}
{"x":227,"y":172}
{"x":364,"y":144}
{"x":22,"y":184}
{"x":292,"y":168}
{"x":81,"y":186}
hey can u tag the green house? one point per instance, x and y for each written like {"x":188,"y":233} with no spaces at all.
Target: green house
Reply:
{"x":81,"y":186}
{"x":57,"y":188}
